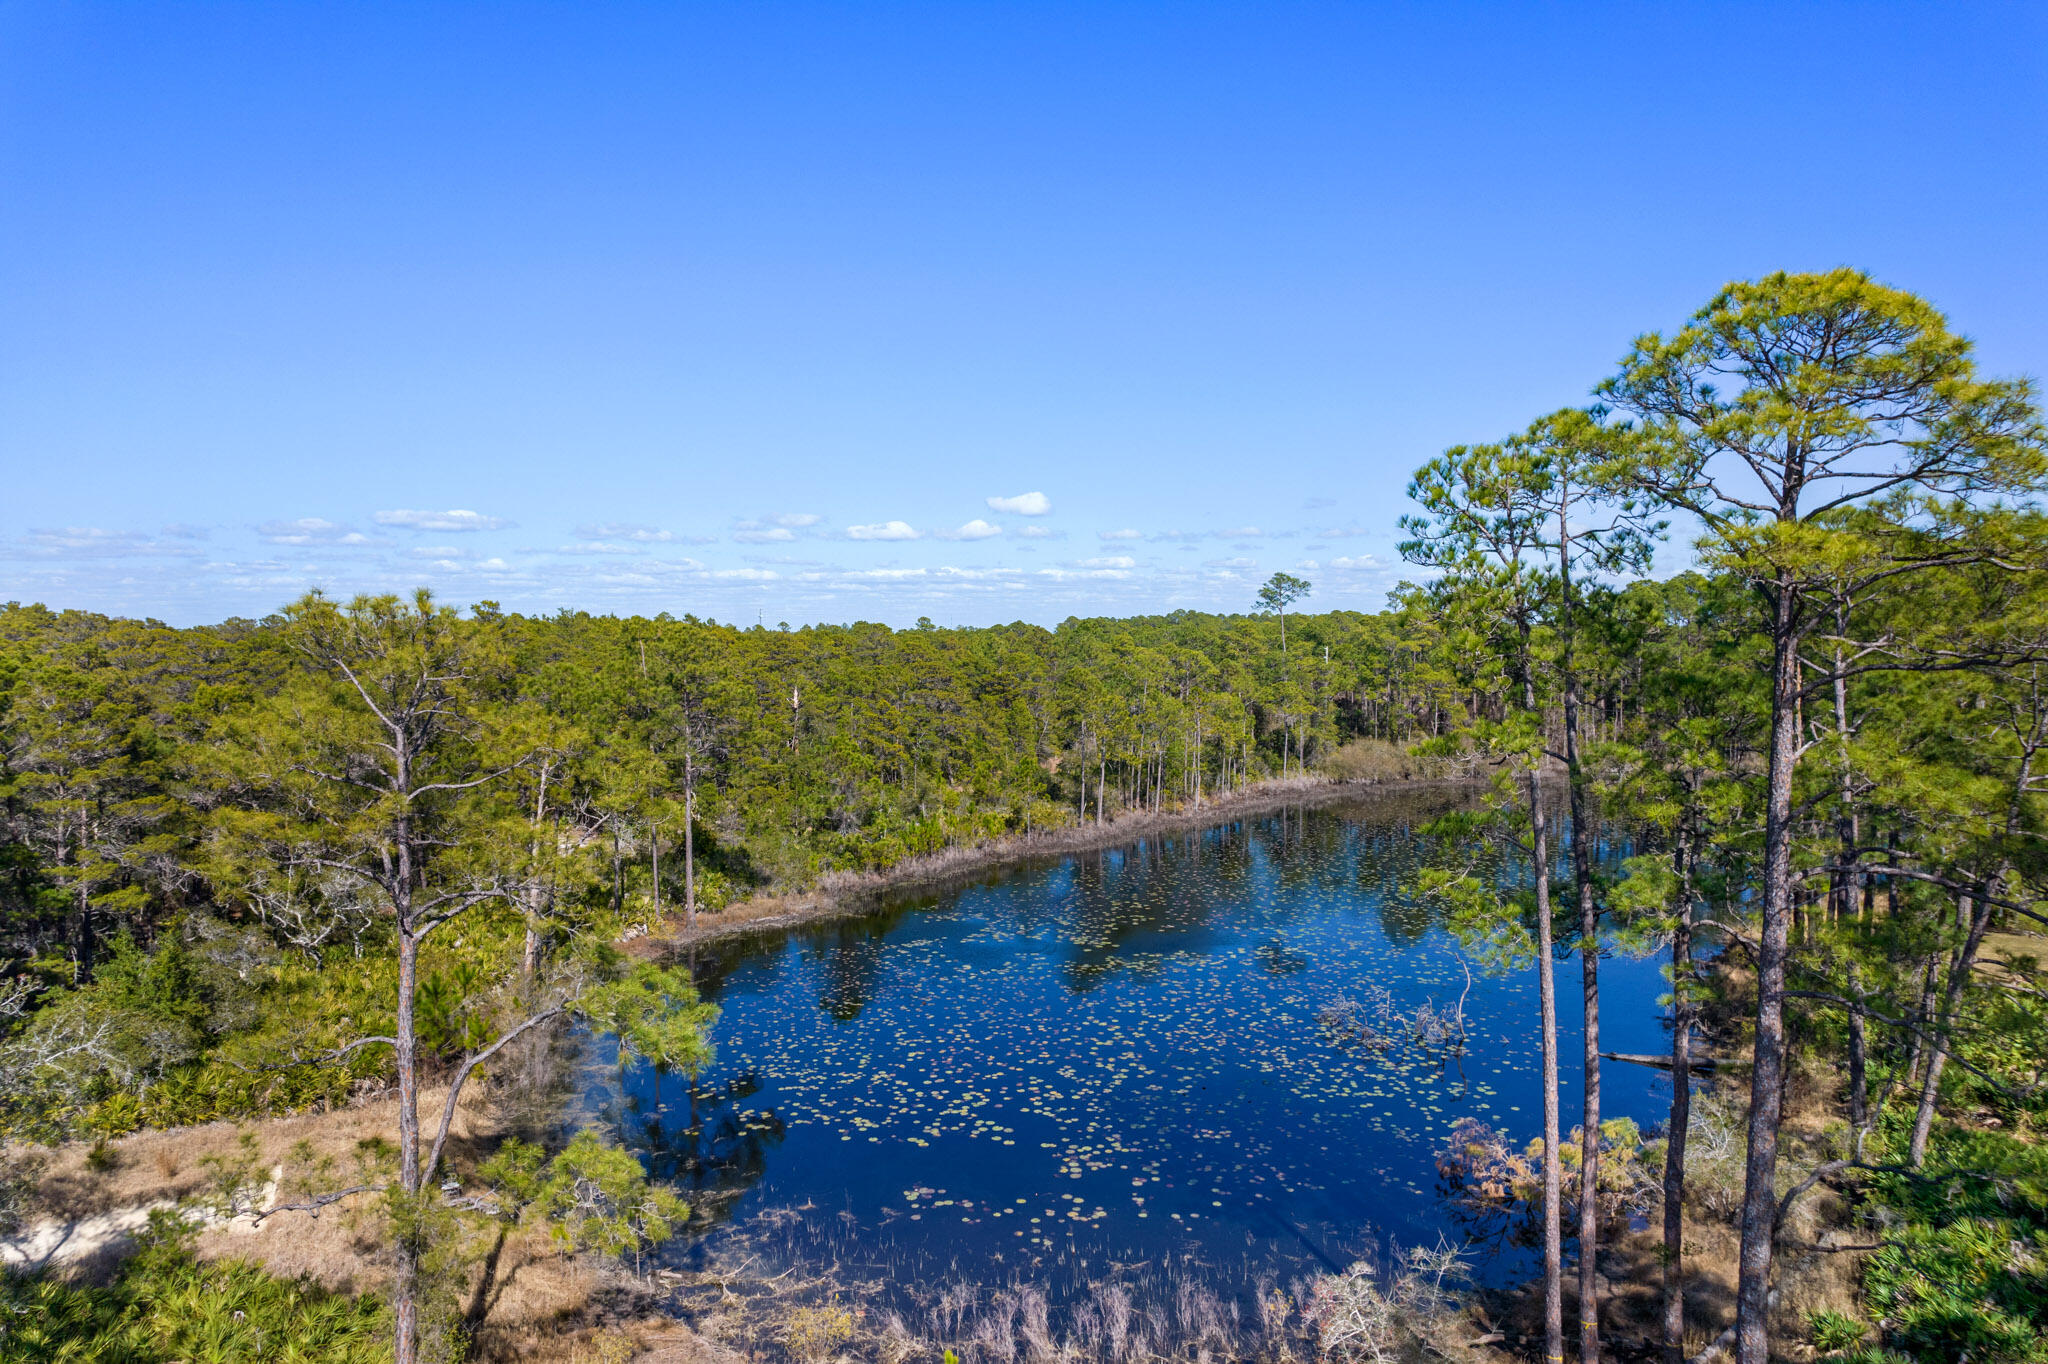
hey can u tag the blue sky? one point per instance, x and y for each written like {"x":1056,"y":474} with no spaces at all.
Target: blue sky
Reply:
{"x":986,"y":312}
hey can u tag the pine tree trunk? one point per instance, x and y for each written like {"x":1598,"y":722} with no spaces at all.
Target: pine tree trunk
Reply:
{"x":529,"y":957}
{"x":1589,"y":951}
{"x":1676,"y":1129}
{"x":1553,"y":1237}
{"x":405,"y":1278}
{"x":1769,"y":1058}
{"x":1859,"y":1066}
{"x":689,"y":831}
{"x":1589,"y":975}
{"x":81,"y":936}
{"x":1680,"y":1122}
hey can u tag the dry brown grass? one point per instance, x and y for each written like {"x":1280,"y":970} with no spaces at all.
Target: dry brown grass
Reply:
{"x":2000,"y":951}
{"x":537,"y":1305}
{"x":150,"y":1166}
{"x":1376,"y":760}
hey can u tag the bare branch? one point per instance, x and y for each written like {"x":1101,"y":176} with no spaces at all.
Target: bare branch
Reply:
{"x":315,"y":1204}
{"x":322,"y":1059}
{"x":462,"y":1078}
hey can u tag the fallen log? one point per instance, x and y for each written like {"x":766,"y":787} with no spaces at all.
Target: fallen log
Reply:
{"x":1660,"y":1062}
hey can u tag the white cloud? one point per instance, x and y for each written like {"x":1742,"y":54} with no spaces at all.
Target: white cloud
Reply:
{"x":93,"y":542}
{"x":649,"y":569}
{"x":310,"y":530}
{"x":1111,"y":561}
{"x":1340,"y":532}
{"x":1125,"y":534}
{"x":1063,"y":574}
{"x":976,"y":574}
{"x":883,"y":575}
{"x":977,"y":529}
{"x":882,"y":530}
{"x":773,"y":530}
{"x":1231,"y":563}
{"x":624,"y":530}
{"x":1355,"y":561}
{"x":1040,"y":533}
{"x":1023,"y":504}
{"x":597,"y":547}
{"x":456,"y":519}
{"x":747,"y":574}
{"x":1240,"y":533}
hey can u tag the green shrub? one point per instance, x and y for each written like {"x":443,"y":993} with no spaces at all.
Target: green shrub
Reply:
{"x":1967,"y":1268}
{"x":1833,"y":1331}
{"x":1971,"y":1285}
{"x":115,"y":1116}
{"x":167,"y":1306}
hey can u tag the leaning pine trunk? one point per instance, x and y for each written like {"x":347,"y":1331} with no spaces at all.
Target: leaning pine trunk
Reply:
{"x":1958,"y":978}
{"x":1928,"y":973}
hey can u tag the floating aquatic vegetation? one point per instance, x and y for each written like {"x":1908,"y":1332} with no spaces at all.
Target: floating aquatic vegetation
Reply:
{"x":1117,"y":1060}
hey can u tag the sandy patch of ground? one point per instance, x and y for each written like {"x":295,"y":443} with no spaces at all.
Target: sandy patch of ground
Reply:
{"x":526,"y":1300}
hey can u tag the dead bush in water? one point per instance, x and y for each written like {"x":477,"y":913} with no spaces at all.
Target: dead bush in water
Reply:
{"x":1487,"y":1177}
{"x":1377,"y":1023}
{"x":1365,"y":1317}
{"x":816,"y":1332}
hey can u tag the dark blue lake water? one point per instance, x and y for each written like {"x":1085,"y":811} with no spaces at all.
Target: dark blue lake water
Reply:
{"x":1109,"y":1060}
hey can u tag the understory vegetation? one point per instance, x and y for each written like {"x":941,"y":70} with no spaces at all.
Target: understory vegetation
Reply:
{"x":168,"y":1306}
{"x":273,"y":866}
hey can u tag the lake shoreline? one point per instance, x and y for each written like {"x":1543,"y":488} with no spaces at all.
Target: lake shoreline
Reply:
{"x":846,"y":895}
